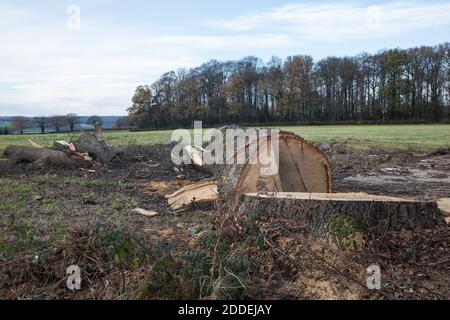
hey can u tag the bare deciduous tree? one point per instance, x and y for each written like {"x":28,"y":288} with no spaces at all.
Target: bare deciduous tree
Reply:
{"x":20,"y":123}
{"x":72,"y":120}
{"x":42,"y":122}
{"x":94,"y":119}
{"x":57,"y":122}
{"x":392,"y":85}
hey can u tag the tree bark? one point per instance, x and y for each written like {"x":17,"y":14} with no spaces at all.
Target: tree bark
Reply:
{"x":98,"y":150}
{"x":370,"y":212}
{"x":42,"y":157}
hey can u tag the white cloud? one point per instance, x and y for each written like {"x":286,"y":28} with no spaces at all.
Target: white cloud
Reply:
{"x":241,"y":41}
{"x":343,"y":21}
{"x":48,"y":69}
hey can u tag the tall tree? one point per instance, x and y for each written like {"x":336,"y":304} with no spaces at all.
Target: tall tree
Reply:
{"x":72,"y":120}
{"x":20,"y":124}
{"x":57,"y":122}
{"x":392,"y":85}
{"x":92,"y":120}
{"x":42,"y":123}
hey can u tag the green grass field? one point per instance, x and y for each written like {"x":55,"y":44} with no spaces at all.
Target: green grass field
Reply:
{"x":420,"y":137}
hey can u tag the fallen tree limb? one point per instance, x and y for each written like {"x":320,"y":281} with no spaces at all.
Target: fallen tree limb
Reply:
{"x":42,"y":157}
{"x":371,"y":212}
{"x":77,"y":154}
{"x":98,"y":150}
{"x":147,"y":213}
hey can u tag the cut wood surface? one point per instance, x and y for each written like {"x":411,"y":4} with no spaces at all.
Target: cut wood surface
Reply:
{"x":199,"y":193}
{"x":61,"y":145}
{"x":351,"y":196}
{"x":370,"y":211}
{"x":444,"y":205}
{"x":98,"y":131}
{"x":302,"y":167}
{"x":147,"y":213}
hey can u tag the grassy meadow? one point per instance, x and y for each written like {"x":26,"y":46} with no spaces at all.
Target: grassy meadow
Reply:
{"x":420,"y":137}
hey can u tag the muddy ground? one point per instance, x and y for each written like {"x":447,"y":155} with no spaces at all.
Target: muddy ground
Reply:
{"x":410,"y":174}
{"x":51,"y":218}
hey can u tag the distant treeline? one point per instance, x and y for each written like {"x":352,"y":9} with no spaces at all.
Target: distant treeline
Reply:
{"x":395,"y":85}
{"x":59,"y":123}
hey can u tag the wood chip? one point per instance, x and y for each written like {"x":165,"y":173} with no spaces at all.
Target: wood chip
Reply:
{"x":444,"y":206}
{"x":202,"y":192}
{"x":147,"y":213}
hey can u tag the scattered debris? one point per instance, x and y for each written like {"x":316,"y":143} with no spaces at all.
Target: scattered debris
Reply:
{"x":147,"y":213}
{"x":37,"y":197}
{"x":167,"y":233}
{"x":199,"y":193}
{"x":292,"y":263}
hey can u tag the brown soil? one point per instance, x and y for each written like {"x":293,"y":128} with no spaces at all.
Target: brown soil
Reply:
{"x":415,"y":265}
{"x":421,"y":175}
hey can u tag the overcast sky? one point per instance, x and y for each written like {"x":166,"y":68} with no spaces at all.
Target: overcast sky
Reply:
{"x":51,"y":64}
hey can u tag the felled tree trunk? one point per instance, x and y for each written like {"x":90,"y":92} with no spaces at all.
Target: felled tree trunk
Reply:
{"x":302,"y":167}
{"x":370,"y":212}
{"x":42,"y":157}
{"x":96,"y":149}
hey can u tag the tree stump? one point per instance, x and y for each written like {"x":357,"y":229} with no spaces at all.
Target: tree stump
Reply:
{"x":370,"y":212}
{"x":302,"y":167}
